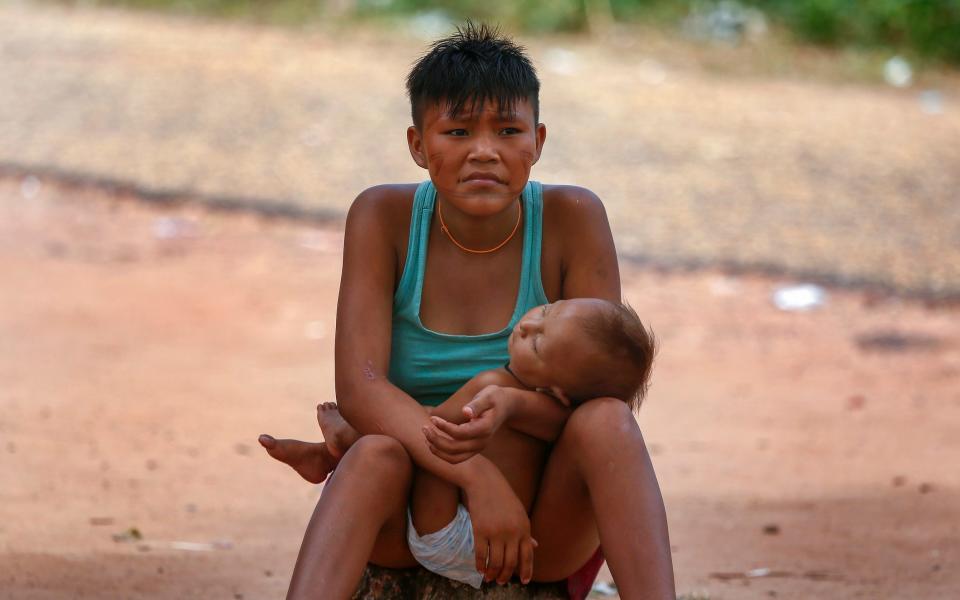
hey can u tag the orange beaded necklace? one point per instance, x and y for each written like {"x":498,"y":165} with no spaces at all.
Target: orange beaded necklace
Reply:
{"x":443,"y":228}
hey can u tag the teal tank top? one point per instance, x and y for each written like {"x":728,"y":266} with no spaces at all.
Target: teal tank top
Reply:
{"x":429,"y":365}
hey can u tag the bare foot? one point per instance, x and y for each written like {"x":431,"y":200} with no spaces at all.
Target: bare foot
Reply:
{"x":311,"y":460}
{"x":337,"y":433}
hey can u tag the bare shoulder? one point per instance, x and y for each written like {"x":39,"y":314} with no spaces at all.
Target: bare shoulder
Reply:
{"x":570,"y":195}
{"x":383,"y":204}
{"x":570,"y":204}
{"x":379,"y":221}
{"x":572,"y":213}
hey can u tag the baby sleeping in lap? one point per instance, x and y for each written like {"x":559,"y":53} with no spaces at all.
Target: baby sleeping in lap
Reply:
{"x":561,"y":354}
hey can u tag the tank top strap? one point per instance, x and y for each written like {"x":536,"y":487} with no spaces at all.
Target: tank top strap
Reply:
{"x":411,"y":281}
{"x":531,"y":283}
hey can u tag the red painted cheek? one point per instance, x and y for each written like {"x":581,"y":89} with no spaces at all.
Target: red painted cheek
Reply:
{"x":435,"y":161}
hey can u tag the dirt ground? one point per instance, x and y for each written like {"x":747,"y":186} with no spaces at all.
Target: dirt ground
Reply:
{"x":143,"y":349}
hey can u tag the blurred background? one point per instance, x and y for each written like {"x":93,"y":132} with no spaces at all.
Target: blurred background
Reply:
{"x":781,"y":178}
{"x":717,"y":116}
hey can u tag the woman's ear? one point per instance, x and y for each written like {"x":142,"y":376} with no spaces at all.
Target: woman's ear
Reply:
{"x":415,"y":144}
{"x":541,"y":134}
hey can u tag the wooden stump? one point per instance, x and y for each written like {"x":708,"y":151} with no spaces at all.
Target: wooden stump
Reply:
{"x":379,"y":583}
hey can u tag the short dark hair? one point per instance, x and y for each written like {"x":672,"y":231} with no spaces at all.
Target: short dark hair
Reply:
{"x":621,"y":368}
{"x":474,"y":65}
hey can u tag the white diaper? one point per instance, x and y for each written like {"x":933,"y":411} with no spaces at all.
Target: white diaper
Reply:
{"x":448,"y":552}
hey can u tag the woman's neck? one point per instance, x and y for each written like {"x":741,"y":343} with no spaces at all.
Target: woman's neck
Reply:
{"x":478,"y":233}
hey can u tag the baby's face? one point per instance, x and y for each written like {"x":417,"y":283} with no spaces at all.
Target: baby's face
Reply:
{"x":548,"y":343}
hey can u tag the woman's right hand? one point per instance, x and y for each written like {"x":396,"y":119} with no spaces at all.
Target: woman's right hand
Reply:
{"x":501,"y":527}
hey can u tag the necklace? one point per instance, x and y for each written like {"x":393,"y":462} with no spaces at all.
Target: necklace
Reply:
{"x":520,"y":381}
{"x":446,"y":230}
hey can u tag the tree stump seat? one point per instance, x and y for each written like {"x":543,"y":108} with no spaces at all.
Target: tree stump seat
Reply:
{"x":379,"y":583}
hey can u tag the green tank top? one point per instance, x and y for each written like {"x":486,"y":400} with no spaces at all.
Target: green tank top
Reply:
{"x":429,"y":365}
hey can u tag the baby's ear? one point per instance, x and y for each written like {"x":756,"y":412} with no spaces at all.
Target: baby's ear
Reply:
{"x":557,"y":393}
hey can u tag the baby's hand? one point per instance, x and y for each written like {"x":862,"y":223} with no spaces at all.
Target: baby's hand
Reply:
{"x":490,"y":398}
{"x":487,"y":412}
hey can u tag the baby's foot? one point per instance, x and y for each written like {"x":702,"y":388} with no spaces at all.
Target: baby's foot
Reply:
{"x":311,"y":460}
{"x":337,"y":433}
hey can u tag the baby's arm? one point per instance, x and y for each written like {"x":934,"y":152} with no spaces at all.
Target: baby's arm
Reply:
{"x":536,"y":414}
{"x":533,"y":413}
{"x":492,"y":398}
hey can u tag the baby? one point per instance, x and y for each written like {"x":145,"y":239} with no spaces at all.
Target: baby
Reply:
{"x":560,"y":355}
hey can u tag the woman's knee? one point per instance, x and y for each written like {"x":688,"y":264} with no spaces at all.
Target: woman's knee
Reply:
{"x":379,"y":455}
{"x":601,"y":421}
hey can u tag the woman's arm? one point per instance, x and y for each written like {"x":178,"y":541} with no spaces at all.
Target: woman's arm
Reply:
{"x":373,"y":405}
{"x":367,"y":399}
{"x":577,"y":232}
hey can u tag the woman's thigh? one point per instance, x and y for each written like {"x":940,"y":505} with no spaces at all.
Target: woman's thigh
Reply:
{"x":577,"y":482}
{"x":562,"y":520}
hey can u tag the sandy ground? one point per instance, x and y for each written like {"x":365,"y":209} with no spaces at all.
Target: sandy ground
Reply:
{"x":142,"y":351}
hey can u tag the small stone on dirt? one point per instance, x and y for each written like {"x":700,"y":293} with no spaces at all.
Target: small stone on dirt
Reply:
{"x":603,"y":588}
{"x":895,"y":341}
{"x":856,"y":402}
{"x":130,"y":535}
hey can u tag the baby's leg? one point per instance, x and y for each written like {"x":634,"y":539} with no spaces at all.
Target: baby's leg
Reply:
{"x":314,"y":461}
{"x":435,"y":507}
{"x":337,"y":433}
{"x":433,"y":502}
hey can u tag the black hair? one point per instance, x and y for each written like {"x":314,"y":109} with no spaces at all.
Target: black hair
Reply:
{"x":474,"y":65}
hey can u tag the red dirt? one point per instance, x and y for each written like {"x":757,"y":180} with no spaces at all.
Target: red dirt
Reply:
{"x":137,"y":373}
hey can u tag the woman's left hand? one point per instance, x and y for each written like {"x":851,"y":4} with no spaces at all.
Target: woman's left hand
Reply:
{"x":488,"y":410}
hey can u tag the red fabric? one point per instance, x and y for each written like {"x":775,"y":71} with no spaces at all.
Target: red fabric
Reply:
{"x":580,"y":583}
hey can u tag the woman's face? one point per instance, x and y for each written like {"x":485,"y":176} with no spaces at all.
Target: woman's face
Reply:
{"x":479,"y":162}
{"x":548,"y":345}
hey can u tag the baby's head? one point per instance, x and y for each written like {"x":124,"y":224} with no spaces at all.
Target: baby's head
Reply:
{"x":581,"y":349}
